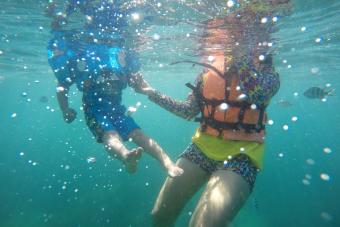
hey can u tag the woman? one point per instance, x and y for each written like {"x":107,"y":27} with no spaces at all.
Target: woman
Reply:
{"x":231,"y":94}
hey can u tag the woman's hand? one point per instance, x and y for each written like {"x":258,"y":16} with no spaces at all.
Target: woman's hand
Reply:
{"x":140,"y":85}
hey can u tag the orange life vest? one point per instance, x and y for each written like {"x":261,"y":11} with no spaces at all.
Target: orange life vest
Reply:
{"x":225,"y":111}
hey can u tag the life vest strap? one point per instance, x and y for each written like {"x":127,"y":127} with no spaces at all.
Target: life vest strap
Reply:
{"x":221,"y":126}
{"x":192,"y":87}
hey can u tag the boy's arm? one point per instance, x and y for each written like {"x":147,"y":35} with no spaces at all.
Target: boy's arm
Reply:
{"x":69,"y":114}
{"x":59,"y":18}
{"x":186,"y":109}
{"x":60,"y":13}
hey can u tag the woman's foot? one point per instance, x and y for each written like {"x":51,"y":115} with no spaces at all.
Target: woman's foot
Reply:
{"x":132,"y":158}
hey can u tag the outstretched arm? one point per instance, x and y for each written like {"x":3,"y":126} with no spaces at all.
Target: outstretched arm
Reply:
{"x":187,"y":109}
{"x":69,"y":114}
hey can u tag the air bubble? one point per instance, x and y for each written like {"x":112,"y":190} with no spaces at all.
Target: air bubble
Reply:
{"x":211,"y":58}
{"x":156,"y":36}
{"x":135,"y":16}
{"x":306,"y":182}
{"x":310,"y":161}
{"x":230,"y":3}
{"x":264,"y":20}
{"x":326,"y":216}
{"x":327,"y":150}
{"x":314,"y":70}
{"x":91,"y":159}
{"x":223,"y":106}
{"x":307,"y":176}
{"x":325,"y":177}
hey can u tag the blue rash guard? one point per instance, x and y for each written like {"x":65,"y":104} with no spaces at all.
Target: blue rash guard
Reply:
{"x":99,"y":69}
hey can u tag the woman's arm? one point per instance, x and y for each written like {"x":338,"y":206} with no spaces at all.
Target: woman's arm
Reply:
{"x":187,"y":109}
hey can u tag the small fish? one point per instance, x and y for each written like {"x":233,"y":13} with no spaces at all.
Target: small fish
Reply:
{"x":318,"y":93}
{"x":43,"y":99}
{"x":284,"y":103}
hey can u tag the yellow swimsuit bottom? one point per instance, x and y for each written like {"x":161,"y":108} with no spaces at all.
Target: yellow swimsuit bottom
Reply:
{"x":220,"y":150}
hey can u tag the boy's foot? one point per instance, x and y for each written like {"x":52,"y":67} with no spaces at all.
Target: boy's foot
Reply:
{"x":174,"y":171}
{"x":132,"y":159}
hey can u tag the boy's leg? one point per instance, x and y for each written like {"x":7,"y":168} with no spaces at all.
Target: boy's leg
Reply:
{"x":115,"y":147}
{"x":156,"y":151}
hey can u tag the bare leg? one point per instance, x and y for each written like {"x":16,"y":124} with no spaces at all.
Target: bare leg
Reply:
{"x":176,"y":192}
{"x":223,"y":197}
{"x":156,"y":151}
{"x":114,"y":146}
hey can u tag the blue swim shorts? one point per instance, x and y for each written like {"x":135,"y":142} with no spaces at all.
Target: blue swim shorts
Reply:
{"x":100,"y":122}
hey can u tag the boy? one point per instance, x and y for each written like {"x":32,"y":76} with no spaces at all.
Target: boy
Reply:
{"x":100,"y":61}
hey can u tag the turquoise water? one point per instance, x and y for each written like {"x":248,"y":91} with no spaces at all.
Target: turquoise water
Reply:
{"x":46,"y":180}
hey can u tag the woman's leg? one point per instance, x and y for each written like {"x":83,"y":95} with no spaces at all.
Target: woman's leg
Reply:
{"x":176,"y":192}
{"x":225,"y":194}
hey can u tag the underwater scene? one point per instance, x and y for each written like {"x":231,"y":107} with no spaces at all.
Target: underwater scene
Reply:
{"x":92,"y":123}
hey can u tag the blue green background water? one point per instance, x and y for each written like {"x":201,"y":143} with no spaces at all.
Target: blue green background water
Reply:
{"x":46,"y":180}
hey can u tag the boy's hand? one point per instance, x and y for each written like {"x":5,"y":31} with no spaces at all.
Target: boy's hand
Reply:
{"x":59,"y":21}
{"x":50,"y":9}
{"x":69,"y":115}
